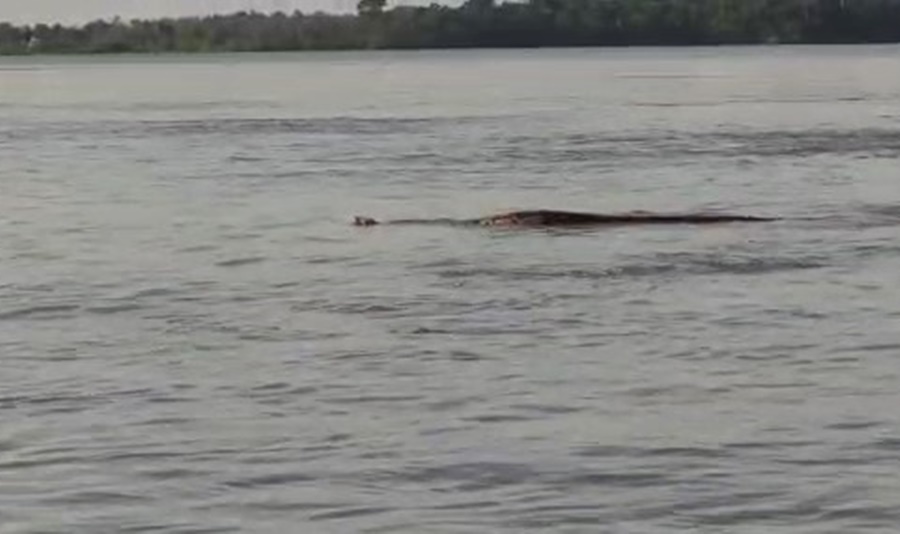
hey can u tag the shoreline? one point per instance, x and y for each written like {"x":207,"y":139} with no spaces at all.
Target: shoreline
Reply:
{"x":476,"y":24}
{"x":405,"y":50}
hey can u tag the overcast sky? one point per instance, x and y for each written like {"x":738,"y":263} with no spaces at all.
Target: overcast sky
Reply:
{"x":78,"y":11}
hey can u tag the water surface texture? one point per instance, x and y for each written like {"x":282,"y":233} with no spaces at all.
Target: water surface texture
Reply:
{"x":194,"y":339}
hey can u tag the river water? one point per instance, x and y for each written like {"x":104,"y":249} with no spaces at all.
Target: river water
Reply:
{"x":194,"y":339}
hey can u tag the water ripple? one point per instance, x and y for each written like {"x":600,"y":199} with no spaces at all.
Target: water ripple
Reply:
{"x":193,"y":339}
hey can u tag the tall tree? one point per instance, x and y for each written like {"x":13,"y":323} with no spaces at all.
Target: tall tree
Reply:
{"x":370,"y":7}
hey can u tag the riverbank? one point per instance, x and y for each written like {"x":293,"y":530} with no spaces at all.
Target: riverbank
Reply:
{"x":478,"y":24}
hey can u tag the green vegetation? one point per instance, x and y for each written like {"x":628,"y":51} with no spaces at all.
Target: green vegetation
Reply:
{"x":482,"y":23}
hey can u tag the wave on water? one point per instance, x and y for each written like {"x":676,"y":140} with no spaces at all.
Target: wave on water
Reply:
{"x":659,"y":265}
{"x":879,"y":215}
{"x":234,"y":126}
{"x":874,"y":142}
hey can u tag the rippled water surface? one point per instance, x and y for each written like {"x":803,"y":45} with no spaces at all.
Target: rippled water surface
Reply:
{"x":193,"y":339}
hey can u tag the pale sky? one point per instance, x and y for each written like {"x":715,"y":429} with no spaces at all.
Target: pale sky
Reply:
{"x":79,"y":11}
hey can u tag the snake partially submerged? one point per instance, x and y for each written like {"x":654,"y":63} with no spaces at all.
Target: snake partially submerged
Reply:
{"x":555,"y":218}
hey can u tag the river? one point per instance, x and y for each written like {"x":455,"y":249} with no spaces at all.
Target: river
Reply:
{"x":193,"y":338}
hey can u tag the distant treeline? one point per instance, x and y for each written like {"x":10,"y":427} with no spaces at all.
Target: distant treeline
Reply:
{"x":481,"y":23}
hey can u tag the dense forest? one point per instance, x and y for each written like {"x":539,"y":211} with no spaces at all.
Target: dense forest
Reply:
{"x":481,"y":23}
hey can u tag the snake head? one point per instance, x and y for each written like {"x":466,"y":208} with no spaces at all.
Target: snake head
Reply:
{"x":364,"y":221}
